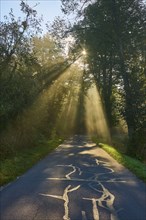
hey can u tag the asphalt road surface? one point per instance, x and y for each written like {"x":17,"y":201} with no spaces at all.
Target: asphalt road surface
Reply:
{"x":78,"y":181}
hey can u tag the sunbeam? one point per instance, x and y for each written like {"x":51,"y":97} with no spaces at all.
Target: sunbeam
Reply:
{"x":42,"y":116}
{"x":95,"y":118}
{"x":67,"y":119}
{"x":62,"y":108}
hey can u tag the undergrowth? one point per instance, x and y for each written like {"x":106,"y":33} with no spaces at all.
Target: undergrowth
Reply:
{"x":19,"y":163}
{"x":134,"y":165}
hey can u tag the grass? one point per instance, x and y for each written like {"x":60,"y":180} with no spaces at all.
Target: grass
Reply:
{"x":19,"y":163}
{"x":134,"y":165}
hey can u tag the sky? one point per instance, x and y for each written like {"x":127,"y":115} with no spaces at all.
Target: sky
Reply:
{"x":48,"y":8}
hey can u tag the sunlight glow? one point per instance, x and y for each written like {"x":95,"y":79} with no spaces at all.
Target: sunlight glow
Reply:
{"x":57,"y":109}
{"x":84,"y":52}
{"x":95,"y":119}
{"x":67,"y":118}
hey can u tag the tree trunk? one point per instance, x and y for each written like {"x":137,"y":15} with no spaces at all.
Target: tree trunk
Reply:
{"x":128,"y":97}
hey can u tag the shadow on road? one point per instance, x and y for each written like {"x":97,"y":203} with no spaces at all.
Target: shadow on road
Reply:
{"x":76,"y":181}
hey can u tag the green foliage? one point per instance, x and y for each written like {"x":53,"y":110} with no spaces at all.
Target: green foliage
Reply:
{"x":137,"y":167}
{"x":47,"y":51}
{"x":48,"y":115}
{"x":16,"y":94}
{"x":27,"y":109}
{"x":17,"y":63}
{"x":19,"y":163}
{"x":113,"y":33}
{"x":28,"y":63}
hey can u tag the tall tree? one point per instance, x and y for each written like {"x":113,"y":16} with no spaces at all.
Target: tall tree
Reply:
{"x":17,"y":62}
{"x":114,"y":34}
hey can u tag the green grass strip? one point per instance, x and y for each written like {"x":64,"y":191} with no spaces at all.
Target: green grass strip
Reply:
{"x":134,"y":165}
{"x":15,"y":166}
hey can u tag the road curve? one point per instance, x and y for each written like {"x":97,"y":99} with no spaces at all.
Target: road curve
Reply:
{"x":78,"y":181}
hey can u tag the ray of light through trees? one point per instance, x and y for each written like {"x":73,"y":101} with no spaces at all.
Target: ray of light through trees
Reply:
{"x":86,"y":77}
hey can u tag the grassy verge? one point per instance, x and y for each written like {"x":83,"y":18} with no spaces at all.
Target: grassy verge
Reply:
{"x":22,"y":161}
{"x":134,"y":165}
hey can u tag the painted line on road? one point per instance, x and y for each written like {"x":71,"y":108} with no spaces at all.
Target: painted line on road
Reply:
{"x":88,"y":180}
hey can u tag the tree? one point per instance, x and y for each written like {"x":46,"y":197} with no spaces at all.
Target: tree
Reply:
{"x":46,"y":50}
{"x":28,"y":63}
{"x":113,"y":32}
{"x":17,"y":62}
{"x":16,"y":35}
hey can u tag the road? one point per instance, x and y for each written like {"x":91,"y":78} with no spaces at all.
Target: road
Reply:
{"x":78,"y":181}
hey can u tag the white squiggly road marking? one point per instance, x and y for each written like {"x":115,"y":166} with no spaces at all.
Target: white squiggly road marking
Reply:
{"x":84,"y":215}
{"x":86,"y":180}
{"x":106,"y":201}
{"x":104,"y":164}
{"x":73,"y":171}
{"x":97,"y":161}
{"x":95,"y":209}
{"x":65,"y":199}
